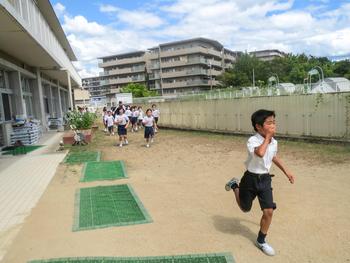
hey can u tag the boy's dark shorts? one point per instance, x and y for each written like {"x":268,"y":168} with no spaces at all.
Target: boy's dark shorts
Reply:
{"x":253,"y":185}
{"x":133,"y":120}
{"x":121,"y":130}
{"x":149,"y":132}
{"x":110,"y":128}
{"x":156,"y":119}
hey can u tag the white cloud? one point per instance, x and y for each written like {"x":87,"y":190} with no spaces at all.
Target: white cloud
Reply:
{"x":79,"y":24}
{"x":137,"y":18}
{"x":238,"y":24}
{"x":59,"y":9}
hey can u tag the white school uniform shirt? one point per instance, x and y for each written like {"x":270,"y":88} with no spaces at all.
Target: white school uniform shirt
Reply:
{"x":121,"y":119}
{"x":128,"y":113}
{"x":148,"y":121}
{"x":155,"y":113}
{"x":136,"y":113}
{"x":105,"y":117}
{"x":110,"y":121}
{"x":140,"y":115}
{"x":256,"y":164}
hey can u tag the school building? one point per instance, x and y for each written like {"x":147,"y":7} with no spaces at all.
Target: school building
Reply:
{"x":182,"y":66}
{"x":37,"y":77}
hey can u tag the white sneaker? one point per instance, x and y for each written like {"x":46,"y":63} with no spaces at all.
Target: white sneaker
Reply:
{"x":121,"y":145}
{"x":152,"y":140}
{"x":147,"y":145}
{"x":112,"y":133}
{"x":266,"y":248}
{"x":105,"y":130}
{"x":126,"y":142}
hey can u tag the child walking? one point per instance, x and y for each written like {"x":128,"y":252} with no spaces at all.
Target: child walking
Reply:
{"x":256,"y":181}
{"x":110,"y":123}
{"x":140,"y":117}
{"x":123,"y":122}
{"x":150,"y":124}
{"x":155,"y":114}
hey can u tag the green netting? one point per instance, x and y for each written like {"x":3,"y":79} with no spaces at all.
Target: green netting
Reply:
{"x":21,"y":149}
{"x":105,"y":206}
{"x":205,"y":258}
{"x":82,"y":157}
{"x":95,"y":171}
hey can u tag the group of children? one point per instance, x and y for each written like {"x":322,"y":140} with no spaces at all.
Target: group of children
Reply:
{"x":124,"y":115}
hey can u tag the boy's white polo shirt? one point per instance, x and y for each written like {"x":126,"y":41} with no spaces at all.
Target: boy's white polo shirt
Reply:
{"x":256,"y":164}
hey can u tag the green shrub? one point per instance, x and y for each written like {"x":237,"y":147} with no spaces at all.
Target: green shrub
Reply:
{"x":81,"y":121}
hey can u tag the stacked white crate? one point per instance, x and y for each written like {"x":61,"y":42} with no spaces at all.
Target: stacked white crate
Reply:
{"x":28,"y":134}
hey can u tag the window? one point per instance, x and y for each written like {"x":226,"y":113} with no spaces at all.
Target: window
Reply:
{"x":2,"y":79}
{"x":6,"y":101}
{"x":46,"y":103}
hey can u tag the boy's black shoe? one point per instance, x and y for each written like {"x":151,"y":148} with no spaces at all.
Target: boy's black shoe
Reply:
{"x":232,"y":184}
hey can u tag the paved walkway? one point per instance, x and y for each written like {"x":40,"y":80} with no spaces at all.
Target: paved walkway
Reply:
{"x":22,"y":182}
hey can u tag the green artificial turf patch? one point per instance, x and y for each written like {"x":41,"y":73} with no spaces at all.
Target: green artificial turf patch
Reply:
{"x":20,"y":150}
{"x":106,"y":170}
{"x":82,"y":157}
{"x":105,"y":206}
{"x":204,"y":258}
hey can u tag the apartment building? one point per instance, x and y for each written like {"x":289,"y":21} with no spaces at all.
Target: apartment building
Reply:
{"x":182,"y":66}
{"x":122,"y":69}
{"x":36,"y":72}
{"x":188,"y":66}
{"x":93,"y":85}
{"x":268,"y":54}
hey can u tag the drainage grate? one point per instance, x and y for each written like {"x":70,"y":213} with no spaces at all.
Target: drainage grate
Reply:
{"x":95,"y":171}
{"x":105,"y":206}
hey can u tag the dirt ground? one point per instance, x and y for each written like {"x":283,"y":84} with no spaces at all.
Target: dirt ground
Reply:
{"x":180,"y":180}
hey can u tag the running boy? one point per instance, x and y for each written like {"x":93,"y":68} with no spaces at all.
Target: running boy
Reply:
{"x":123,"y":122}
{"x":150,"y":125}
{"x":110,"y":123}
{"x":256,"y":181}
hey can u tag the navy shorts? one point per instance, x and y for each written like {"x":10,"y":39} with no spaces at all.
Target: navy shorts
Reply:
{"x":121,"y":130}
{"x":133,"y":120}
{"x":156,"y":119}
{"x":149,"y":132}
{"x":110,"y":128}
{"x":256,"y":185}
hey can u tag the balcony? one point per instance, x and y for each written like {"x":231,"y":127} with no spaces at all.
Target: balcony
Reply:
{"x":184,"y":73}
{"x":124,"y":61}
{"x":33,"y":24}
{"x":191,"y":61}
{"x":126,"y":70}
{"x":189,"y":83}
{"x":126,"y":80}
{"x":193,"y":50}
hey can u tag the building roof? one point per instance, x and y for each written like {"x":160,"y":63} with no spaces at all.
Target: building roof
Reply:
{"x":207,"y":40}
{"x":127,"y":54}
{"x":48,"y":12}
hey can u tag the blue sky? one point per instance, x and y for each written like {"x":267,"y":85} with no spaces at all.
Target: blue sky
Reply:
{"x":103,"y":27}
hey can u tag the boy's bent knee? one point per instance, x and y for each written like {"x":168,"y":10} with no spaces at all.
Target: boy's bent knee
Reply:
{"x":268,"y":212}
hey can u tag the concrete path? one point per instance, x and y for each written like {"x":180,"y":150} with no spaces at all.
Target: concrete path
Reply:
{"x":22,"y":182}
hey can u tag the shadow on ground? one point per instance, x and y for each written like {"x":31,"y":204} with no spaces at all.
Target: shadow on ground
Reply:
{"x":234,"y":226}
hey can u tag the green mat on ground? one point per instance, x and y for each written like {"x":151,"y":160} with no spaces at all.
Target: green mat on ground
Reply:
{"x":205,"y":258}
{"x":82,"y":157}
{"x":21,"y":150}
{"x":106,"y":170}
{"x":105,"y":206}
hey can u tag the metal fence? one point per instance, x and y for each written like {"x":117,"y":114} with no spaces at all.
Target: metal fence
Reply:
{"x":307,"y":115}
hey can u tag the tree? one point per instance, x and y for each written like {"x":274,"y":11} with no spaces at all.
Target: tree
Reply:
{"x":138,"y":90}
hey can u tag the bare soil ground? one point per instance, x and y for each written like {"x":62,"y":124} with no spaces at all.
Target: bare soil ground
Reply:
{"x":180,"y":181}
